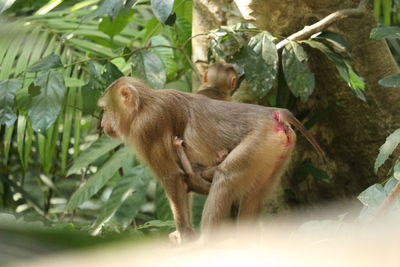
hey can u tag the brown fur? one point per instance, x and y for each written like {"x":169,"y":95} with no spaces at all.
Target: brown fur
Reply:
{"x":259,"y":145}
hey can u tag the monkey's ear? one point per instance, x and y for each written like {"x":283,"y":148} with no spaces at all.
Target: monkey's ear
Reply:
{"x":232,"y":82}
{"x":205,"y":79}
{"x":129,"y":96}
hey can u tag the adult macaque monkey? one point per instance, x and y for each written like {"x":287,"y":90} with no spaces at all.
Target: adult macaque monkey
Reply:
{"x":219,"y":81}
{"x":259,"y":141}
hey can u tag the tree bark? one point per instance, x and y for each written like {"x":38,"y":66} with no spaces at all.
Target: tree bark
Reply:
{"x":352,"y":134}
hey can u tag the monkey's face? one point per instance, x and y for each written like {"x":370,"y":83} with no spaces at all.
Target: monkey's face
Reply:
{"x":108,"y":118}
{"x":119,"y":105}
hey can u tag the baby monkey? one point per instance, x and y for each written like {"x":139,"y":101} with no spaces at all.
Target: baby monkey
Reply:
{"x":198,"y":178}
{"x":219,"y":82}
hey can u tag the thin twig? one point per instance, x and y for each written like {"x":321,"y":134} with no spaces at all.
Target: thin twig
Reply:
{"x":325,"y":23}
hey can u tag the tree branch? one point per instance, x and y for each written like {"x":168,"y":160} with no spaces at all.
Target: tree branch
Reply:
{"x":325,"y":23}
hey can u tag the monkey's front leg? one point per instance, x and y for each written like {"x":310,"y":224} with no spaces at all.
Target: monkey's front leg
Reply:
{"x":194,"y":180}
{"x":175,"y":189}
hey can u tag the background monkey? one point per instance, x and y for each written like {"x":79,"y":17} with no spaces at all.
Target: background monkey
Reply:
{"x":219,"y":81}
{"x":258,"y":138}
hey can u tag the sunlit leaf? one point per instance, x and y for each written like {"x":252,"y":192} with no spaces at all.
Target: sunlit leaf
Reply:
{"x":298,"y":76}
{"x":149,"y":67}
{"x":390,"y":81}
{"x":373,"y":196}
{"x":100,"y":147}
{"x":50,"y":62}
{"x":392,"y":141}
{"x":261,"y":64}
{"x":8,"y":89}
{"x":162,"y":9}
{"x":5,"y":4}
{"x":47,"y":105}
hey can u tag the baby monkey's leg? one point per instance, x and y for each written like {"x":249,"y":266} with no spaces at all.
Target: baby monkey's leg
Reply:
{"x":194,"y":179}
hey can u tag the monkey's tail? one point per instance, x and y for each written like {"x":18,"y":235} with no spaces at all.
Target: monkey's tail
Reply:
{"x":289,"y":117}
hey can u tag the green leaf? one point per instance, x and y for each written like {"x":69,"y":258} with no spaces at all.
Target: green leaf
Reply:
{"x":162,"y":9}
{"x":50,"y":62}
{"x":99,"y":147}
{"x":8,"y":89}
{"x":373,"y":196}
{"x":307,"y":168}
{"x":107,"y":8}
{"x":355,"y":82}
{"x":390,"y":81}
{"x":132,"y":205}
{"x":99,"y":179}
{"x":112,"y":27}
{"x":47,"y":105}
{"x":385,"y":32}
{"x":157,"y":224}
{"x":132,"y":184}
{"x":163,"y":211}
{"x":298,"y":76}
{"x":198,"y":204}
{"x":149,"y":67}
{"x":336,"y":39}
{"x":166,"y":54}
{"x":261,"y":63}
{"x":392,"y":141}
{"x":111,"y":73}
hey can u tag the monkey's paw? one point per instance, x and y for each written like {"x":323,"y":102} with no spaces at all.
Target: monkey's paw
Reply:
{"x":177,"y":141}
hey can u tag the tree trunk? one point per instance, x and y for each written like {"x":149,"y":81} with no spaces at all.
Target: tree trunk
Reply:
{"x":352,"y":134}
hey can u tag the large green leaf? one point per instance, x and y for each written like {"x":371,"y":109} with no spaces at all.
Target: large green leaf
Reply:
{"x":261,"y":64}
{"x":99,"y":179}
{"x":162,"y":9}
{"x":50,"y":62}
{"x":47,"y":105}
{"x":385,"y":32}
{"x":355,"y":82}
{"x":100,"y":147}
{"x":8,"y":89}
{"x":166,"y":54}
{"x":392,"y":141}
{"x":111,"y":73}
{"x":298,"y":76}
{"x":390,"y":81}
{"x":130,"y":188}
{"x":149,"y":67}
{"x":112,"y":27}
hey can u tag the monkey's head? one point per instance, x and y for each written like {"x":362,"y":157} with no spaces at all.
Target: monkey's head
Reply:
{"x":222,"y":75}
{"x":120,"y":103}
